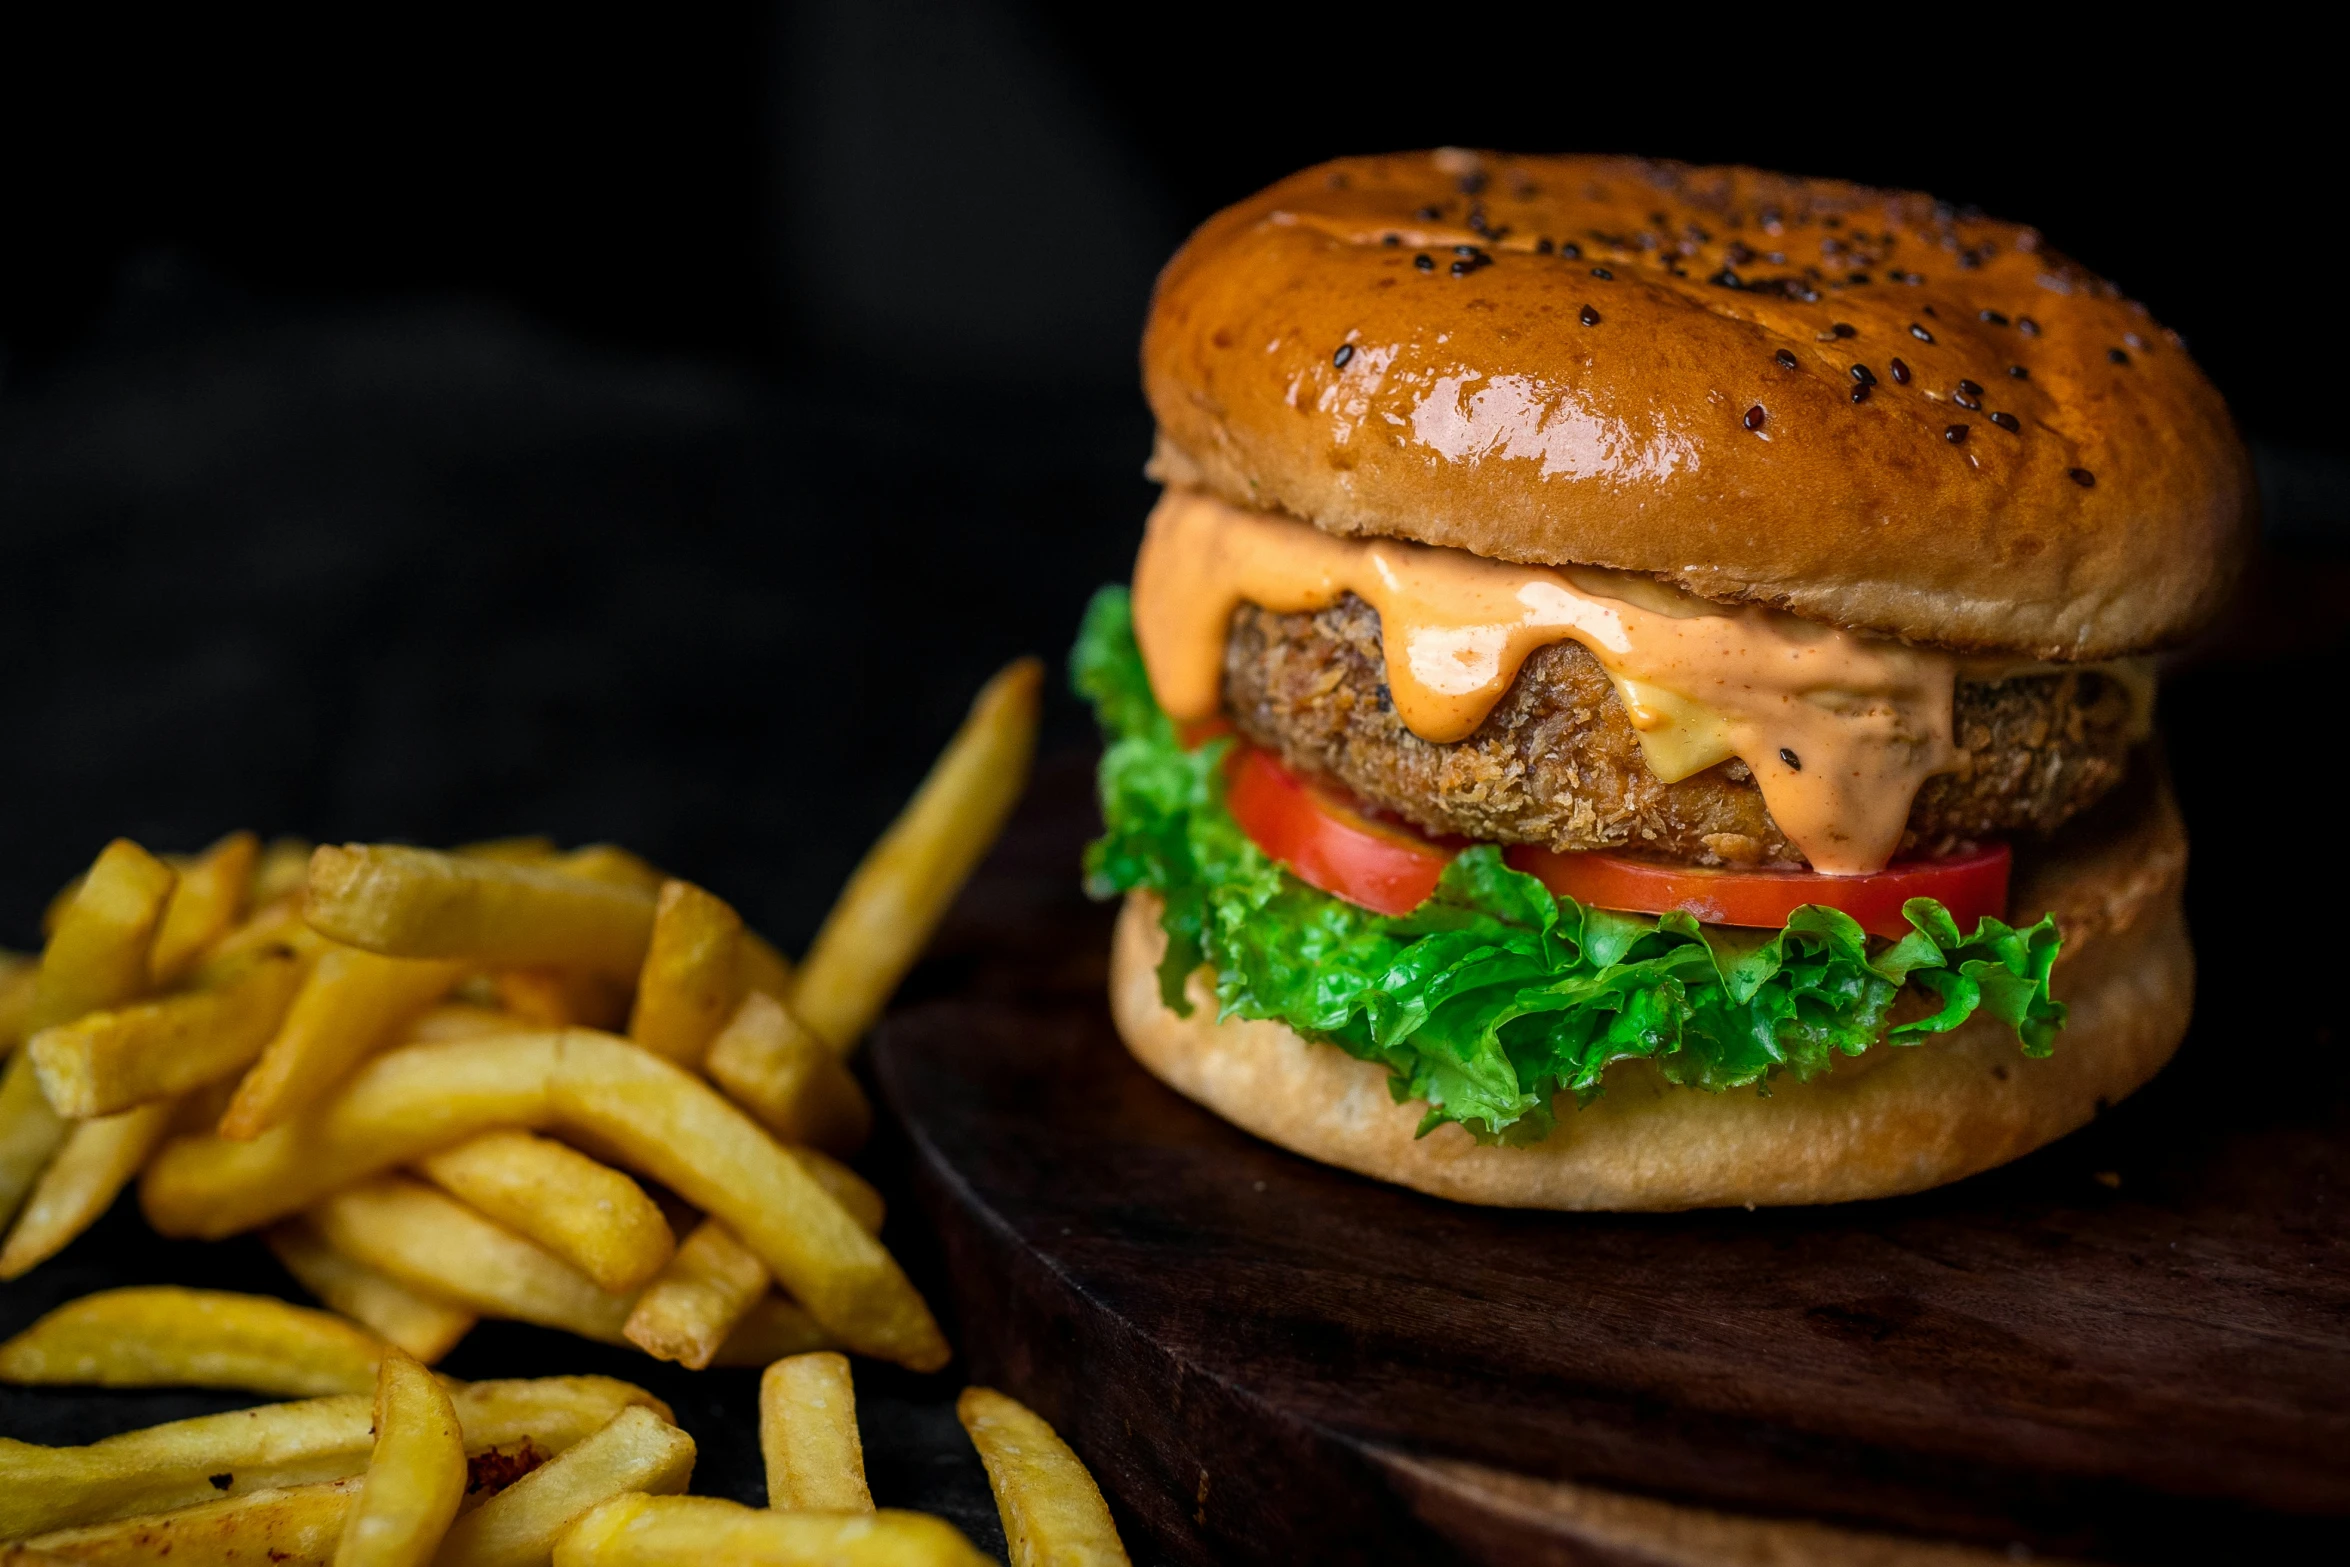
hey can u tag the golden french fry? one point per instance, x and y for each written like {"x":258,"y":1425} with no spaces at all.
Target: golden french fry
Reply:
{"x":97,"y":1161}
{"x":774,"y":1066}
{"x":415,"y":1476}
{"x":895,"y":898}
{"x":205,"y":903}
{"x":423,"y":1325}
{"x":296,"y":1526}
{"x":638,"y":1453}
{"x":858,"y":1196}
{"x":464,"y":1020}
{"x":274,"y":924}
{"x":350,"y":1005}
{"x":762,"y":967}
{"x":432,"y":1242}
{"x":102,"y":1062}
{"x":657,"y":1118}
{"x":611,"y":865}
{"x":692,"y":974}
{"x":165,"y":1336}
{"x":808,"y":1435}
{"x":279,"y":1445}
{"x":1051,"y":1508}
{"x":562,"y":998}
{"x":282,"y":869}
{"x":19,"y":978}
{"x":675,"y":1128}
{"x":588,"y":1214}
{"x":414,"y":903}
{"x":772,"y":1329}
{"x":687,"y":1313}
{"x":97,"y":956}
{"x":30,"y":1132}
{"x":697,"y":1531}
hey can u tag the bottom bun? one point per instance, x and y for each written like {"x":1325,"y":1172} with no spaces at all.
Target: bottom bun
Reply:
{"x":1899,"y":1118}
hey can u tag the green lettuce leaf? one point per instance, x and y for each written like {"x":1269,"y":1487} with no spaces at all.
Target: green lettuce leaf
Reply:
{"x":1496,"y":995}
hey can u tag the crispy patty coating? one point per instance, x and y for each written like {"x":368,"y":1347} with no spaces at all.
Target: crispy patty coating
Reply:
{"x":1558,"y":763}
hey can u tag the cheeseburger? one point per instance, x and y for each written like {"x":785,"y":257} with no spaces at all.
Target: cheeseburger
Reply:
{"x":1637,"y":691}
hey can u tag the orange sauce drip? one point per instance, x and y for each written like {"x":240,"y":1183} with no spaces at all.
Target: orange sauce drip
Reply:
{"x":1839,"y":729}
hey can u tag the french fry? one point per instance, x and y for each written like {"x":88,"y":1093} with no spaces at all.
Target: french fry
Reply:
{"x":1051,"y":1508}
{"x":588,"y":1214}
{"x":896,"y":896}
{"x":808,"y":1436}
{"x":413,"y":903}
{"x":637,"y":1453}
{"x":562,"y":998}
{"x":283,"y":867}
{"x":102,"y":1062}
{"x":99,"y":1158}
{"x":432,"y":1242}
{"x":206,"y":901}
{"x":278,"y":923}
{"x":30,"y":1132}
{"x":774,"y":1066}
{"x":278,"y":1445}
{"x":696,"y":1531}
{"x":165,"y":1336}
{"x":415,"y":1476}
{"x":658,"y":1119}
{"x":687,"y":1313}
{"x":856,"y":1195}
{"x":772,"y":1329}
{"x":97,"y":955}
{"x":611,"y":865}
{"x":692,"y":976}
{"x":296,"y":1526}
{"x":423,"y":1325}
{"x":350,"y":1005}
{"x":763,"y":968}
{"x":675,"y":1128}
{"x":464,"y":1020}
{"x":19,"y":978}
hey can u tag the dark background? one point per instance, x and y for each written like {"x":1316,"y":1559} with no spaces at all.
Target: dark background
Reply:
{"x":652,"y":426}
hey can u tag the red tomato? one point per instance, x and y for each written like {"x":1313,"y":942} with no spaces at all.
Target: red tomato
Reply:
{"x":1326,"y":840}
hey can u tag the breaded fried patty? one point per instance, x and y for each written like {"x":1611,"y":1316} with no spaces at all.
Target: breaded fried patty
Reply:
{"x":1558,"y":763}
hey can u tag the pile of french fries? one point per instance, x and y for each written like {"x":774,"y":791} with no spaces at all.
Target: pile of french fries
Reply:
{"x":385,"y":1464}
{"x":506,"y":1081}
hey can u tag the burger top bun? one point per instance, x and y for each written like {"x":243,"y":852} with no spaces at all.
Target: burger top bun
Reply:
{"x":1650,"y":366}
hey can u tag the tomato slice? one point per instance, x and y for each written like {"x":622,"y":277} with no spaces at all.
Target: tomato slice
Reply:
{"x":1327,"y":840}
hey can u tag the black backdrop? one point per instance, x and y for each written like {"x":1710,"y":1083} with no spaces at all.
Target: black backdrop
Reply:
{"x":653,"y":426}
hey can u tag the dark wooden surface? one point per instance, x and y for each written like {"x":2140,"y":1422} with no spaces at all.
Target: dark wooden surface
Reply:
{"x":2132,"y":1346}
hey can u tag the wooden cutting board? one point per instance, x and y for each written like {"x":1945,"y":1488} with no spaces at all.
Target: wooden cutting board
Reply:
{"x":2132,"y":1346}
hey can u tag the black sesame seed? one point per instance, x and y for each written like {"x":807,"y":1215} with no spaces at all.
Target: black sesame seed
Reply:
{"x":1429,"y":214}
{"x":2027,"y":326}
{"x":1791,"y":759}
{"x":1920,"y":333}
{"x":1860,"y":391}
{"x":1463,"y":267}
{"x":1965,"y":399}
{"x":1726,"y":279}
{"x":2019,"y":373}
{"x":1970,"y":388}
{"x":1589,"y":317}
{"x":1392,"y":240}
{"x":1603,"y":274}
{"x":1900,"y":372}
{"x":1473,"y":182}
{"x":1755,"y":417}
{"x":1864,"y":375}
{"x":1992,"y":316}
{"x":1955,"y":434}
{"x":1345,"y":352}
{"x":1844,"y":329}
{"x":2007,"y":422}
{"x":1464,"y":250}
{"x":2120,"y":356}
{"x":1570,"y":251}
{"x":1858,"y":277}
{"x":1424,"y":262}
{"x":1786,"y":360}
{"x":2082,"y":477}
{"x":1542,"y":246}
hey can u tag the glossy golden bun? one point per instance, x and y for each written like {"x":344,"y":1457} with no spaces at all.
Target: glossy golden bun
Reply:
{"x":1509,"y":401}
{"x":1896,"y":1119}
